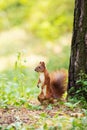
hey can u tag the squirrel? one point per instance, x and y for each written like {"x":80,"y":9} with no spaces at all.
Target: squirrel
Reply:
{"x":53,"y":85}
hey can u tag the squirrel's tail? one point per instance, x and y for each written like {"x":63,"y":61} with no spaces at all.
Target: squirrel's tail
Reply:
{"x":58,"y":83}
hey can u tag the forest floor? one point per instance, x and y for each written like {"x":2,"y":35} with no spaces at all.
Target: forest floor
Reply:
{"x":50,"y":115}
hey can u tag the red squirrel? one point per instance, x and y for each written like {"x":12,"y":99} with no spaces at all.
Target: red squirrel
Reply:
{"x":53,"y":85}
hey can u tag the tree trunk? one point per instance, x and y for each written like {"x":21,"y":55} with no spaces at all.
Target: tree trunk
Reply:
{"x":78,"y":58}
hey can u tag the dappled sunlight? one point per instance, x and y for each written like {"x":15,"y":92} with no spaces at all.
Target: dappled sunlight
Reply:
{"x":17,"y":40}
{"x":6,"y":62}
{"x":32,"y":60}
{"x":12,"y":41}
{"x":13,"y":34}
{"x":27,"y":61}
{"x":65,"y":39}
{"x":57,"y":49}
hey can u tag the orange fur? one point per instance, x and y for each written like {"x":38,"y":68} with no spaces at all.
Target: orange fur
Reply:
{"x":53,"y":85}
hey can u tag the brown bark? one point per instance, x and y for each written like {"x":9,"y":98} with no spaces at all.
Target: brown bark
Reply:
{"x":78,"y":57}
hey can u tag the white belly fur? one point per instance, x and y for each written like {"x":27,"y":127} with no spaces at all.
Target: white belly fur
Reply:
{"x":42,"y":78}
{"x":44,"y":90}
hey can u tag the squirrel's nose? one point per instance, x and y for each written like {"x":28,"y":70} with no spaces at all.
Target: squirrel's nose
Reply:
{"x":35,"y":69}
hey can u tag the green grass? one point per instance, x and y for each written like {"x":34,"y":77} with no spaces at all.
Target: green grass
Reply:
{"x":17,"y":85}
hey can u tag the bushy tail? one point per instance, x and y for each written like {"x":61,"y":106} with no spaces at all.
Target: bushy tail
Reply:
{"x":58,"y":83}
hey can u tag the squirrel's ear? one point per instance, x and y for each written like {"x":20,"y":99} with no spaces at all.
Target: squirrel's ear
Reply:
{"x":42,"y":62}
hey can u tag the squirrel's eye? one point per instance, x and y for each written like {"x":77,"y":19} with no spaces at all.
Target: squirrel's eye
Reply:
{"x":39,"y":67}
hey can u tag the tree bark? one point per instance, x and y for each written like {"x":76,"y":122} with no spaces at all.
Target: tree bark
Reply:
{"x":78,"y":57}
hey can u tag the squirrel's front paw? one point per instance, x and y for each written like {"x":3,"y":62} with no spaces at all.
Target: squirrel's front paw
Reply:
{"x":38,"y":85}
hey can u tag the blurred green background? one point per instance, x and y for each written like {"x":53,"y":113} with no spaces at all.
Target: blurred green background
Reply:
{"x":32,"y":31}
{"x":41,"y":29}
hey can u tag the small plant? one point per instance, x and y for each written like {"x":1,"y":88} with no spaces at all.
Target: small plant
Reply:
{"x":82,"y":83}
{"x":80,"y":92}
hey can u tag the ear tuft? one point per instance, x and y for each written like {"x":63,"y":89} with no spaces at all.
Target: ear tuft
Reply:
{"x":42,"y":63}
